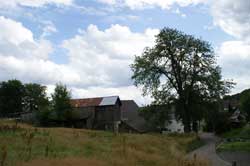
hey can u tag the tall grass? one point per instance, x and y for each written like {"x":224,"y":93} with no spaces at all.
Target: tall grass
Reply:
{"x":63,"y":146}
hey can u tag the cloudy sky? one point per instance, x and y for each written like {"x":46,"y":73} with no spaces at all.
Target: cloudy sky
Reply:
{"x":89,"y":44}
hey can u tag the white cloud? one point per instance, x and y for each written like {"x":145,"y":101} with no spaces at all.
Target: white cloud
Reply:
{"x":14,"y":32}
{"x":36,"y":70}
{"x":177,"y":11}
{"x":27,"y":59}
{"x":125,"y":93}
{"x":103,"y":57}
{"x":110,"y":2}
{"x":32,"y":3}
{"x":141,"y":4}
{"x":234,"y":58}
{"x":98,"y":59}
{"x":18,"y":41}
{"x":48,"y":28}
{"x":233,"y":17}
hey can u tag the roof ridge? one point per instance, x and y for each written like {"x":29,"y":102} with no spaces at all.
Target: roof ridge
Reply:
{"x":94,"y":97}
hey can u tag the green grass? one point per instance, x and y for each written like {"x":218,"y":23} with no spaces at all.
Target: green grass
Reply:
{"x":26,"y":145}
{"x":240,"y":133}
{"x":235,"y":146}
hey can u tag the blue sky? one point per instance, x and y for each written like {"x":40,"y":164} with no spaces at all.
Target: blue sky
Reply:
{"x":88,"y":45}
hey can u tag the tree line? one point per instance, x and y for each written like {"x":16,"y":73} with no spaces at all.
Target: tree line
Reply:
{"x":17,"y":98}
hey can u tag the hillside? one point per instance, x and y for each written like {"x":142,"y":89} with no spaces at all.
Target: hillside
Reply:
{"x":236,"y":96}
{"x":26,"y":146}
{"x":233,"y":101}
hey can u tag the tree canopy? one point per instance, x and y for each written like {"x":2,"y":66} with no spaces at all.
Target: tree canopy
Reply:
{"x":61,"y":102}
{"x":11,"y":97}
{"x":155,"y":116}
{"x":245,"y":103}
{"x":35,"y":97}
{"x":183,"y":68}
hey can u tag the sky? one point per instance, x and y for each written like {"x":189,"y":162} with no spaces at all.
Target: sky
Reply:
{"x":89,"y":45}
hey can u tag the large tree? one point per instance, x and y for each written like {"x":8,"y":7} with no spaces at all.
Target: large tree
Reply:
{"x":11,"y":97}
{"x":183,"y":67}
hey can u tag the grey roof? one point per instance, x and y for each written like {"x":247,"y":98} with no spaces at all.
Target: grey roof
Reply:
{"x":130,"y":115}
{"x":111,"y":100}
{"x":97,"y":101}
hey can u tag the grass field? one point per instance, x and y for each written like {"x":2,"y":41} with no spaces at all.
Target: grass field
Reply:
{"x":27,"y":146}
{"x":236,"y":134}
{"x":243,"y":132}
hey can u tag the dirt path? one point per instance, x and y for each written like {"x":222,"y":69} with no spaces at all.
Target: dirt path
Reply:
{"x":208,"y":150}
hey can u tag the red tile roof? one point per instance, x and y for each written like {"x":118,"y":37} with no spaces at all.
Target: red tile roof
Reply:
{"x":86,"y":102}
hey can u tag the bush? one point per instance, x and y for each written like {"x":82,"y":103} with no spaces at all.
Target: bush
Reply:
{"x":43,"y":117}
{"x":222,"y":123}
{"x":217,"y":122}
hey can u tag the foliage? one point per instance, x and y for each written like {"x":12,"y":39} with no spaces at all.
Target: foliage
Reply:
{"x":216,"y":120}
{"x":11,"y":97}
{"x":183,"y":67}
{"x":35,"y":97}
{"x":61,"y":103}
{"x":221,"y":123}
{"x":43,"y":116}
{"x":155,"y":116}
{"x":235,"y":146}
{"x":245,"y":103}
{"x":243,"y":133}
{"x":213,"y":116}
{"x":237,"y":140}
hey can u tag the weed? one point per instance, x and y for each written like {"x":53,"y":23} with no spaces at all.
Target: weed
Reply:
{"x":124,"y":145}
{"x":46,"y":150}
{"x":3,"y":155}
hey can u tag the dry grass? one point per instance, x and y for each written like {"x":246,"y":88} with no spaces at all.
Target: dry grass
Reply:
{"x":62,"y":162}
{"x":63,"y":146}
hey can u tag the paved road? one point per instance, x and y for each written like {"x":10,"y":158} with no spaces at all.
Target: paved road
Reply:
{"x":208,"y":151}
{"x":242,"y":158}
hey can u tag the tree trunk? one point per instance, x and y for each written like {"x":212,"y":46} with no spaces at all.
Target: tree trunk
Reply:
{"x":187,"y":121}
{"x":195,"y":126}
{"x":184,"y":111}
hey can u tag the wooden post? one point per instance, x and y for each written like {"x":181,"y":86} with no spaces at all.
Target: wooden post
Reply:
{"x":234,"y":163}
{"x":116,"y":127}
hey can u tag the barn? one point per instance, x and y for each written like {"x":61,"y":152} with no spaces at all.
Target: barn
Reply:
{"x":108,"y":113}
{"x":132,"y":122}
{"x":97,"y":113}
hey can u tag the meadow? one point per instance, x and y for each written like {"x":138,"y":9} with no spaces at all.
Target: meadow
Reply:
{"x":24,"y":145}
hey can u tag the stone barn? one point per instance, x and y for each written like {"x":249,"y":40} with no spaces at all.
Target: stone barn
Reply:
{"x":102,"y":113}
